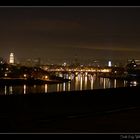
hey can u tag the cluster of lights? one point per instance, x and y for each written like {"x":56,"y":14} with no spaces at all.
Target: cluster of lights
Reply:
{"x":134,"y":83}
{"x":82,"y":70}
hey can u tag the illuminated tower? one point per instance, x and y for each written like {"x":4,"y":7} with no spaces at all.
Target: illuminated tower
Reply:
{"x":109,"y":64}
{"x":11,"y":60}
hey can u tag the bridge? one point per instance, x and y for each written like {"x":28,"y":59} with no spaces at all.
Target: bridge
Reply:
{"x":93,"y":70}
{"x":76,"y":71}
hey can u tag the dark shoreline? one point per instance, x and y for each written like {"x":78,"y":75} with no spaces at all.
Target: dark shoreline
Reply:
{"x":62,"y":111}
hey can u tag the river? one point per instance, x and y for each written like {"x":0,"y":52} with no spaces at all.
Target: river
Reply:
{"x":79,"y":82}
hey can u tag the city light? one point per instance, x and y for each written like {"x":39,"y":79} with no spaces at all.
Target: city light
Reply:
{"x":46,"y":77}
{"x":134,"y":83}
{"x":64,"y":64}
{"x":106,"y":70}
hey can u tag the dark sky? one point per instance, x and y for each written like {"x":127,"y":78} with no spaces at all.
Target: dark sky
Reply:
{"x":65,"y":33}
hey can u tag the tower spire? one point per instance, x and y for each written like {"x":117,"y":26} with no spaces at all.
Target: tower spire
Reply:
{"x":11,"y":60}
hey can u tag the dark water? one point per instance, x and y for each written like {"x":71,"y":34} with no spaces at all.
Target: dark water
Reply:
{"x":80,"y":82}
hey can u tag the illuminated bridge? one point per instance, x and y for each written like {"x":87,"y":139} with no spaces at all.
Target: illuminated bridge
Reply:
{"x":76,"y":71}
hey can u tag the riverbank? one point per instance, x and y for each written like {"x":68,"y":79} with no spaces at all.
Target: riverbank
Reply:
{"x":93,"y":111}
{"x":120,"y":77}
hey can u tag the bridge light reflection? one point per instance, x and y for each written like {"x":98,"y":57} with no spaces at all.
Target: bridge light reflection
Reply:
{"x":64,"y":86}
{"x":5,"y":90}
{"x":81,"y":83}
{"x":46,"y":88}
{"x":69,"y":86}
{"x":10,"y":89}
{"x":115,"y":83}
{"x":24,"y":89}
{"x":85,"y":82}
{"x":104,"y":83}
{"x":91,"y":82}
{"x":58,"y":87}
{"x":76,"y":83}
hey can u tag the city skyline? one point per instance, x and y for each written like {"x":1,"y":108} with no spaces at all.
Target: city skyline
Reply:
{"x":65,"y":33}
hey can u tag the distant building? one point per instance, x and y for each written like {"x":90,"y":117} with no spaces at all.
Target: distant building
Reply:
{"x":11,"y":59}
{"x":133,"y":69}
{"x":131,"y":65}
{"x":2,"y":61}
{"x":29,"y":62}
{"x":37,"y":61}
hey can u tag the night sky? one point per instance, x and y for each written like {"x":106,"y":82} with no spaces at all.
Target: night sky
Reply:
{"x":57,"y":34}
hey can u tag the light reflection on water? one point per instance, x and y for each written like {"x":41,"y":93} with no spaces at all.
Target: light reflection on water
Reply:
{"x":5,"y":90}
{"x":114,"y":83}
{"x":46,"y":88}
{"x":80,"y":82}
{"x":91,"y":81}
{"x":10,"y":89}
{"x":24,"y":87}
{"x":69,"y":86}
{"x":64,"y":86}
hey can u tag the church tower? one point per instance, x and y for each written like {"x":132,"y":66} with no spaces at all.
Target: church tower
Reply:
{"x":11,"y":59}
